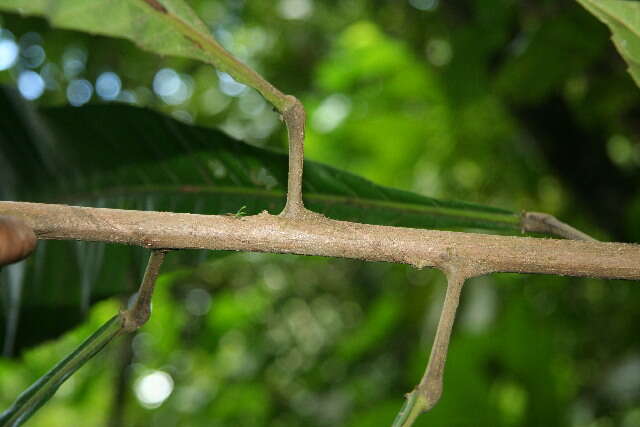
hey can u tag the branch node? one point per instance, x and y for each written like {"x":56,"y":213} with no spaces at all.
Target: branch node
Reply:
{"x":457,"y":267}
{"x":139,"y":313}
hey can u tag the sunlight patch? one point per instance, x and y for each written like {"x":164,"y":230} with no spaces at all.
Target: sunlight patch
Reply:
{"x":153,"y":389}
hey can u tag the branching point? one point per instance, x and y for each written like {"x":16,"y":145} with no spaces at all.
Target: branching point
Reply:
{"x":139,"y":313}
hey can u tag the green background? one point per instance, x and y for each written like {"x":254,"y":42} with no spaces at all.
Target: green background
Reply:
{"x":518,"y":105}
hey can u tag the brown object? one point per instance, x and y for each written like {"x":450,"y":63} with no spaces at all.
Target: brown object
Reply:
{"x":316,"y":235}
{"x":17,"y":240}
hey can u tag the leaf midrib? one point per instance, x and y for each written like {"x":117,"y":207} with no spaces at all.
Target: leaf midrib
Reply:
{"x":506,"y":218}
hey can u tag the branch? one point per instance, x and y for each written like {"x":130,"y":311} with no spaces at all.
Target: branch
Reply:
{"x":316,"y":235}
{"x":295,"y":118}
{"x":425,"y":396}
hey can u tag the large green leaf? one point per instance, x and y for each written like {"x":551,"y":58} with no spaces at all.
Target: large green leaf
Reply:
{"x":126,"y":157}
{"x":623,"y":19}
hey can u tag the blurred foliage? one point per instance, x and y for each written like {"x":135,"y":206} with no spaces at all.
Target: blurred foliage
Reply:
{"x":513,"y":104}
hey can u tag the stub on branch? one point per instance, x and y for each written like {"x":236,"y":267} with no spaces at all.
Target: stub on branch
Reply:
{"x":538,"y":222}
{"x":17,"y":240}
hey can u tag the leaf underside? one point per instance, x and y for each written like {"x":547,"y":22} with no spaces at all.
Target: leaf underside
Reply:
{"x":164,"y":27}
{"x":623,"y":19}
{"x":135,"y":20}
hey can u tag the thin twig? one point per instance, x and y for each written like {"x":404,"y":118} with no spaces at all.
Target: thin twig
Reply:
{"x":295,"y":118}
{"x":538,"y":222}
{"x":428,"y":392}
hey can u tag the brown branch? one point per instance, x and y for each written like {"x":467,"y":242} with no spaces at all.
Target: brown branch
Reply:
{"x":431,"y":384}
{"x":295,"y":118}
{"x":321,"y":236}
{"x":428,"y":392}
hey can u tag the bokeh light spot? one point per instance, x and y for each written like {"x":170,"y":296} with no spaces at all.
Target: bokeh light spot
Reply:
{"x":621,"y":151}
{"x":166,"y":82}
{"x":295,"y":9}
{"x":251,"y":103}
{"x":153,"y":389}
{"x":8,"y":53}
{"x":108,"y":85}
{"x":30,"y":84}
{"x":331,"y":112}
{"x":229,"y":86}
{"x":33,"y":56}
{"x":74,"y":60}
{"x":29,"y":39}
{"x":79,"y":92}
{"x":426,"y":5}
{"x":439,"y":52}
{"x":51,"y":74}
{"x":468,"y":174}
{"x":172,"y":87}
{"x":198,"y":302}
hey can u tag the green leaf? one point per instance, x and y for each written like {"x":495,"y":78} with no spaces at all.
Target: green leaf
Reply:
{"x":131,"y":158}
{"x":125,"y":157}
{"x":623,"y":19}
{"x":165,"y":27}
{"x":141,"y":21}
{"x":45,"y":387}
